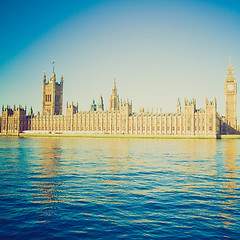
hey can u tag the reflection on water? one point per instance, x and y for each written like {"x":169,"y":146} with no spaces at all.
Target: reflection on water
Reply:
{"x":51,"y":154}
{"x":231,"y":153}
{"x":47,"y":183}
{"x":230,"y":185}
{"x":119,"y":188}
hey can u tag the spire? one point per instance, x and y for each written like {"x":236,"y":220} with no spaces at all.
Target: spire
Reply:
{"x":230,"y":69}
{"x":114,"y":89}
{"x":61,"y":79}
{"x":114,"y":99}
{"x":53,"y":78}
{"x":44,"y":77}
{"x":178,"y":102}
{"x":93,"y":106}
{"x":179,"y":110}
{"x":101,"y":105}
{"x":31,"y":111}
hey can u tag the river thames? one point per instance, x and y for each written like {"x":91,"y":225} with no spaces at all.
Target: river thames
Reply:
{"x":79,"y":188}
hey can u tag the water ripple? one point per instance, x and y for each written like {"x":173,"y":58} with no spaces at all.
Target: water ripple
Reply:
{"x":70,"y":188}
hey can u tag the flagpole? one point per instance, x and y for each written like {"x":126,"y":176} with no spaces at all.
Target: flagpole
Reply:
{"x":53,"y":66}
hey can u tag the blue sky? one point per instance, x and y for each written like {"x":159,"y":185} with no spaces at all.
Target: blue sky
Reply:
{"x":157,"y":50}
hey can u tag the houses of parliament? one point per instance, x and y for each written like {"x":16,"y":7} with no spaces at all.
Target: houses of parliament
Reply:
{"x":120,"y":119}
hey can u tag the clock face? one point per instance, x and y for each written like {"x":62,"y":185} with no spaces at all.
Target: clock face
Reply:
{"x":230,"y":87}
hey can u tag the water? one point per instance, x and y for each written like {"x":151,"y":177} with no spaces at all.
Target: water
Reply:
{"x":73,"y":188}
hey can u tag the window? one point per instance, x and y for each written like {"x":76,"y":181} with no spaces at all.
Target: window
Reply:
{"x":48,"y":98}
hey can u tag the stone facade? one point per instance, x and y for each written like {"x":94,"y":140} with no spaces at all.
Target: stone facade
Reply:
{"x":198,"y":123}
{"x":14,"y":120}
{"x":120,"y":119}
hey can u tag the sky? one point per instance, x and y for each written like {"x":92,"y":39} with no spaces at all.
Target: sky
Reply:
{"x":158,"y":50}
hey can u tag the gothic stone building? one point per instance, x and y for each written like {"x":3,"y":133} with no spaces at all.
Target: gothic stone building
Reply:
{"x":13,"y":120}
{"x":119,"y":119}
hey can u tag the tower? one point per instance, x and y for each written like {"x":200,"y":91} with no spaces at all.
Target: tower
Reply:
{"x":114,"y":99}
{"x":101,"y":105}
{"x":93,"y":106}
{"x":210,"y":117}
{"x":230,"y":89}
{"x":52,"y":96}
{"x":190,"y":109}
{"x":179,"y":107}
{"x":126,"y":108}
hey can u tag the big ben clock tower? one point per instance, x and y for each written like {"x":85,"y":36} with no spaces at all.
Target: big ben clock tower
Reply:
{"x":230,"y":89}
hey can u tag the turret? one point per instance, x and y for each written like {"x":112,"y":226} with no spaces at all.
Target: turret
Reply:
{"x":44,"y":77}
{"x":93,"y":106}
{"x":114,"y":89}
{"x":190,"y":106}
{"x":71,"y":109}
{"x":212,"y":104}
{"x":126,"y":107}
{"x":114,"y":99}
{"x":44,"y":93}
{"x":179,"y":107}
{"x":210,"y":115}
{"x":53,"y":78}
{"x":230,"y":69}
{"x":31,"y":111}
{"x":101,"y":105}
